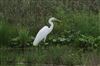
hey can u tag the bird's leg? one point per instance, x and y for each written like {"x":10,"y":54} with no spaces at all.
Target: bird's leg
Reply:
{"x":45,"y":45}
{"x":44,"y":39}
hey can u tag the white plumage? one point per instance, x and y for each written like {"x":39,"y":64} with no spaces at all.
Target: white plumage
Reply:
{"x":42,"y":34}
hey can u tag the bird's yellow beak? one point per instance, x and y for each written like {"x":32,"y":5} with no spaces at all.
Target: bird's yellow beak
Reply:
{"x":58,"y":20}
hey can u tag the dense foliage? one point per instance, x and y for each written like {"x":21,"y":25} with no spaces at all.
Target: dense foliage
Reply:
{"x":80,"y":30}
{"x":80,"y":25}
{"x":70,"y":41}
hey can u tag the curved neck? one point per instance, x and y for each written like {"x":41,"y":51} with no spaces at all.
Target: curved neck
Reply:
{"x":51,"y":24}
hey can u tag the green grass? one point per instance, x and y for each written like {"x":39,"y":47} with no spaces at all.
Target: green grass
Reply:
{"x":85,"y":22}
{"x":59,"y":55}
{"x":79,"y":30}
{"x":4,"y":33}
{"x":74,"y":24}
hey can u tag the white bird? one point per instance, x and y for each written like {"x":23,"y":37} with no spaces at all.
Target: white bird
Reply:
{"x":42,"y":34}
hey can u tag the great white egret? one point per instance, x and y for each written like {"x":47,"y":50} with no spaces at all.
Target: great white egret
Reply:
{"x":42,"y":34}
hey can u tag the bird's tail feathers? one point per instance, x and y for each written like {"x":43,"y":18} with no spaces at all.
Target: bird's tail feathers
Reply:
{"x":35,"y":43}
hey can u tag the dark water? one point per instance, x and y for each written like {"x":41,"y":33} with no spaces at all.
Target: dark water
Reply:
{"x":24,"y":57}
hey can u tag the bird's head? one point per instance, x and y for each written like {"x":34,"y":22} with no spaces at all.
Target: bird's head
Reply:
{"x":53,"y":19}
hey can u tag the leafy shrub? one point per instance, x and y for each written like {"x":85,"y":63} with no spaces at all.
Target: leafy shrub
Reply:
{"x":98,"y":42}
{"x":23,"y":38}
{"x":75,"y":39}
{"x":87,"y":42}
